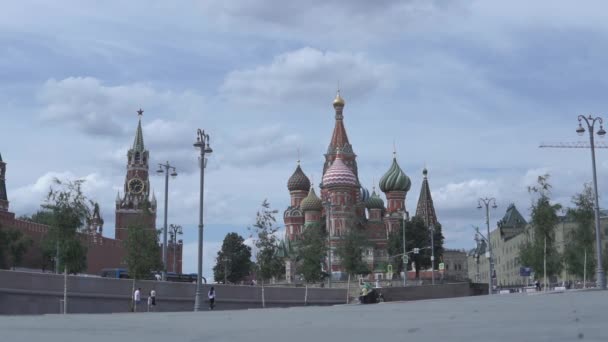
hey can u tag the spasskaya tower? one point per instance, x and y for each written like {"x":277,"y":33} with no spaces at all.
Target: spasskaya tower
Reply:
{"x":137,"y":205}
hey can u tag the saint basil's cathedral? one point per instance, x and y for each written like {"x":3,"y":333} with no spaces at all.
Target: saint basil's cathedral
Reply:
{"x":344,"y":202}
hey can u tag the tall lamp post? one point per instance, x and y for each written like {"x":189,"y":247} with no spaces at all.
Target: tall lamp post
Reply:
{"x":176,"y":230}
{"x":590,"y":121}
{"x":405,"y":259}
{"x":202,"y":143}
{"x":487,"y":202}
{"x":327,"y":205}
{"x":165,"y":168}
{"x":432,"y":229}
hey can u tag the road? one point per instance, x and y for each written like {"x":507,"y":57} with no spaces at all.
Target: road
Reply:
{"x":573,"y":316}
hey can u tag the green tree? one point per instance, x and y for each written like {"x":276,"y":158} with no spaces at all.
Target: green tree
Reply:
{"x":417,"y":235}
{"x":269,"y":263}
{"x":143,"y":251}
{"x":233,"y":261}
{"x":17,"y":245}
{"x":311,"y":249}
{"x":67,"y":210}
{"x":350,"y":249}
{"x":582,"y":238}
{"x":544,"y":221}
{"x":41,"y":216}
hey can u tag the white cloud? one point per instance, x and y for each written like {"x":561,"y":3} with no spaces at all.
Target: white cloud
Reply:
{"x":301,"y":75}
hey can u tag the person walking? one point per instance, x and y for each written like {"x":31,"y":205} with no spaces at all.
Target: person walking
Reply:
{"x":136,"y":298}
{"x":153,"y":300}
{"x":211,"y":296}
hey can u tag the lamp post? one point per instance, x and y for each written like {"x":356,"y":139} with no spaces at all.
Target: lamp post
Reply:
{"x":432,"y":229}
{"x":327,"y":205}
{"x":202,"y":143}
{"x":176,"y":230}
{"x":404,"y":252}
{"x":477,"y":248}
{"x":164,"y":168}
{"x":590,"y":121}
{"x":487,"y":202}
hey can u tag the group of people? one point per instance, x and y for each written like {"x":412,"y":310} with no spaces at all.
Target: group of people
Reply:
{"x":152,"y":299}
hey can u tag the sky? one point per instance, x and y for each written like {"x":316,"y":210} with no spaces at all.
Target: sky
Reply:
{"x":468,"y":89}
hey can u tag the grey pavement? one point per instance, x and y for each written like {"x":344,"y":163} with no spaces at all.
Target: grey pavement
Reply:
{"x":572,"y":316}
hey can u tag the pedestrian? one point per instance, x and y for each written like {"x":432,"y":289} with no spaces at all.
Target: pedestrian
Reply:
{"x":149,"y":301}
{"x":136,"y":298}
{"x":153,"y":299}
{"x":211,"y":296}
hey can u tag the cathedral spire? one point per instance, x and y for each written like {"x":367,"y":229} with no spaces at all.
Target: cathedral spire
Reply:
{"x":425,"y":208}
{"x":339,"y":139}
{"x":138,"y":143}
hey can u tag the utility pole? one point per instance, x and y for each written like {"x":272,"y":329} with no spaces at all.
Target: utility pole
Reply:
{"x":202,"y":143}
{"x":164,"y":168}
{"x":487,"y":202}
{"x":328,"y":225}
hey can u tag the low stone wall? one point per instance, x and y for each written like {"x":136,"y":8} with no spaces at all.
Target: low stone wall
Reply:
{"x":40,"y":293}
{"x":392,"y":294}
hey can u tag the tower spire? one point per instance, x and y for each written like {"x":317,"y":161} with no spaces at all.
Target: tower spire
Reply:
{"x":425,"y":208}
{"x":138,"y":143}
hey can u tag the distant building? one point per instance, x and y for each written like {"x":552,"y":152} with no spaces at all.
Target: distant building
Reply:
{"x":508,"y":238}
{"x":136,"y":206}
{"x":345,"y":204}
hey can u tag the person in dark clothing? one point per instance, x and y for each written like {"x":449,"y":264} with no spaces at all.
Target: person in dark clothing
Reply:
{"x":211,"y":296}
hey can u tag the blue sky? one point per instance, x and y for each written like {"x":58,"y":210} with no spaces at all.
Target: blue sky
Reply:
{"x":467,"y":88}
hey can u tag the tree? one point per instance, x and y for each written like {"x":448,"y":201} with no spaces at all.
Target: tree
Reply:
{"x":17,"y":245}
{"x":417,"y":236}
{"x":582,"y":238}
{"x":350,"y":249}
{"x":311,"y":250}
{"x":233,"y":261}
{"x":270,"y":265}
{"x":143,"y":251}
{"x":67,"y":210}
{"x":544,"y":221}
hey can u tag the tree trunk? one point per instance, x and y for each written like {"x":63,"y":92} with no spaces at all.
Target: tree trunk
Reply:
{"x":348,"y":289}
{"x":65,"y":290}
{"x":133,"y":296}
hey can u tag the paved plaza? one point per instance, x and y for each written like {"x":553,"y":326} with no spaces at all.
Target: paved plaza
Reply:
{"x":573,"y":316}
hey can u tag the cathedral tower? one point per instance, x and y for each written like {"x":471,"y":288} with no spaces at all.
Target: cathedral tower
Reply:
{"x":425,"y":208}
{"x":137,"y":206}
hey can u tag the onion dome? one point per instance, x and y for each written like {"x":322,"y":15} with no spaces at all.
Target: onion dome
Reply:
{"x":338,"y":174}
{"x":338,"y":101}
{"x":395,"y":179}
{"x":311,"y":202}
{"x":364,"y":194}
{"x":298,"y":181}
{"x":374,"y":201}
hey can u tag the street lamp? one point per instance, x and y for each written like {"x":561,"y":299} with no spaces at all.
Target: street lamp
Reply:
{"x":432,"y":229}
{"x":404,"y":252}
{"x":487,"y":202}
{"x":202,"y":143}
{"x":477,"y":249}
{"x":176,"y":230}
{"x":590,"y":121}
{"x":328,"y":205}
{"x":164,"y":168}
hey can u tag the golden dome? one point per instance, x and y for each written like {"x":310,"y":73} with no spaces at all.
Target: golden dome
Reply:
{"x":338,"y":101}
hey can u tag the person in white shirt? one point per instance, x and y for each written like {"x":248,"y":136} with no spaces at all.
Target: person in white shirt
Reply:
{"x":211,"y":296}
{"x":136,"y":298}
{"x":152,"y":300}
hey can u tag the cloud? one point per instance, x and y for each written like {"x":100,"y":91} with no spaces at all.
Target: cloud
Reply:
{"x":88,"y":105}
{"x":304,"y":74}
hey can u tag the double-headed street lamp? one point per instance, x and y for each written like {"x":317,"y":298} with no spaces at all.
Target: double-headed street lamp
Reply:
{"x":327,"y":204}
{"x":590,"y":121}
{"x":202,"y":143}
{"x":487,"y":202}
{"x":165,"y":168}
{"x":175,"y":230}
